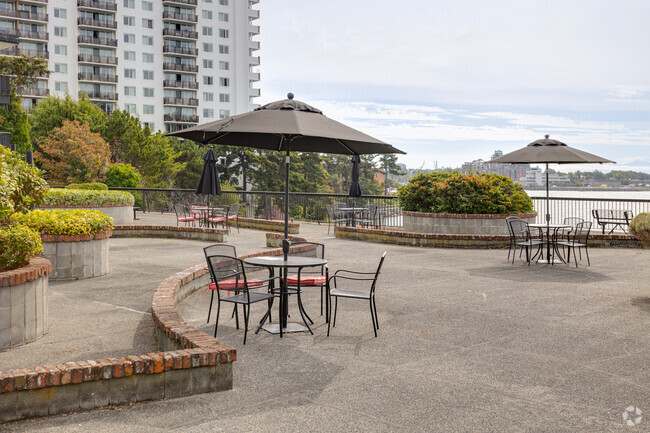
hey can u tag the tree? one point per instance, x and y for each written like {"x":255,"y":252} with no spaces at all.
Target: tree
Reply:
{"x":73,"y":154}
{"x":50,"y":112}
{"x":16,"y":122}
{"x":23,"y":70}
{"x":388,"y":163}
{"x":191,"y":155}
{"x":123,"y":175}
{"x":238,"y":161}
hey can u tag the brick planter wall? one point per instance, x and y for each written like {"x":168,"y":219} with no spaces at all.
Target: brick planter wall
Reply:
{"x":481,"y":224}
{"x":23,"y":303}
{"x":268,"y":225}
{"x":78,"y":256}
{"x":121,"y":214}
{"x":175,"y":232}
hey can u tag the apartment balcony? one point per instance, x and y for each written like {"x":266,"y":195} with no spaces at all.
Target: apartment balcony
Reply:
{"x":180,"y":84}
{"x":253,"y":92}
{"x":181,"y":2}
{"x":254,"y":13}
{"x":180,"y":67}
{"x":97,"y":5}
{"x":181,"y":34}
{"x":90,"y":40}
{"x":28,"y":34}
{"x":23,"y":15}
{"x":90,"y":58}
{"x":105,"y":78}
{"x":254,"y":60}
{"x":185,"y":118}
{"x":104,"y":96}
{"x":175,"y":16}
{"x":89,"y":22}
{"x":34,"y":91}
{"x":253,"y":76}
{"x":40,"y":2}
{"x":15,"y":51}
{"x":190,"y":102}
{"x":180,"y":50}
{"x":254,"y":30}
{"x":254,"y":45}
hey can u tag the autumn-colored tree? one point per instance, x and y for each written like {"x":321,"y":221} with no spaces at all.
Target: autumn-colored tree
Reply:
{"x":72,"y":153}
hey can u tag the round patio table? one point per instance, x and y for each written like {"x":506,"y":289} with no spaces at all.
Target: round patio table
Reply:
{"x":550,"y":239}
{"x":350,"y":213}
{"x":272,"y":262}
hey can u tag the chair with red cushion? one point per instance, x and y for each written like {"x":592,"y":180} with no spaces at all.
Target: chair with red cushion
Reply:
{"x":308,"y":277}
{"x":182,"y":215}
{"x":233,"y":214}
{"x":218,"y":215}
{"x":229,"y":275}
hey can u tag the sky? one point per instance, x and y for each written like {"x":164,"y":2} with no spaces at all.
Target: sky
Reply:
{"x":452,"y":81}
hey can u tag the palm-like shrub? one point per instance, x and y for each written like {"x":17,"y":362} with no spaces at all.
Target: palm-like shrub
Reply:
{"x":455,"y":193}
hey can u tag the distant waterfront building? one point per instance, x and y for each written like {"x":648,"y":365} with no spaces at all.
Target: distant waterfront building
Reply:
{"x":536,"y":177}
{"x":513,"y":171}
{"x":174,"y":63}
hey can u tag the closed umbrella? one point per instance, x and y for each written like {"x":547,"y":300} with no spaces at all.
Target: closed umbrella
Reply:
{"x":209,"y":182}
{"x":355,"y":188}
{"x":285,"y":126}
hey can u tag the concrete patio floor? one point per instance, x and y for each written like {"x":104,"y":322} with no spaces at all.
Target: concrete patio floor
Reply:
{"x":467,"y":342}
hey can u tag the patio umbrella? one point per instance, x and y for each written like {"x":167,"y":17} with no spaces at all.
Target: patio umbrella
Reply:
{"x":285,"y":126}
{"x":209,"y":182}
{"x":549,"y":151}
{"x":355,"y":188}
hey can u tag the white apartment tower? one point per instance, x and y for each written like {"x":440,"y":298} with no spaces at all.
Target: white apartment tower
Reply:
{"x":174,"y":63}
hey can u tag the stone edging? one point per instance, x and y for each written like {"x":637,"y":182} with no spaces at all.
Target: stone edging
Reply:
{"x":38,"y":267}
{"x":176,"y":232}
{"x":467,"y":216}
{"x":264,"y":224}
{"x":77,"y":238}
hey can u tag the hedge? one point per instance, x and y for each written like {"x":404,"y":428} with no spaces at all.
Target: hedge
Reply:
{"x":95,"y":186}
{"x":640,"y":227}
{"x":81,"y":197}
{"x":65,"y":221}
{"x":19,"y":244}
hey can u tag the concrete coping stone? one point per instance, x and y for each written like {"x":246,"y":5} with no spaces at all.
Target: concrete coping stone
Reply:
{"x":37,"y":268}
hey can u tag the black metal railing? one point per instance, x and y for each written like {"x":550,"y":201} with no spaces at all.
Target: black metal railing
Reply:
{"x":96,"y":23}
{"x":88,"y":76}
{"x":106,"y":5}
{"x":167,"y":15}
{"x":91,"y":58}
{"x":84,"y":39}
{"x":180,"y":50}
{"x":193,"y":102}
{"x":185,"y":2}
{"x":173,"y":117}
{"x":180,"y":67}
{"x":182,"y":84}
{"x":188,"y":34}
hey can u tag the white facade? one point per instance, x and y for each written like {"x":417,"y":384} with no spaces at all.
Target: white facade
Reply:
{"x":174,"y":63}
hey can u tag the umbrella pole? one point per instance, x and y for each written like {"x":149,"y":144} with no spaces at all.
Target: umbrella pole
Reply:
{"x":285,"y":241}
{"x":548,"y":212}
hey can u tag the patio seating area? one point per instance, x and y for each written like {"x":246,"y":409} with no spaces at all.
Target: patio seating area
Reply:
{"x":465,"y":334}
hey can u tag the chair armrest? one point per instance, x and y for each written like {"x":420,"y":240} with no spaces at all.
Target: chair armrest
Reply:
{"x":354,"y":272}
{"x":345,"y":277}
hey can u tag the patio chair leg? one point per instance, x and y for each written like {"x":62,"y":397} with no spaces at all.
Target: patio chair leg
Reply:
{"x":216,"y":323}
{"x":374,"y":303}
{"x":329,"y":313}
{"x":372,"y":316}
{"x":210,"y":309}
{"x":246,"y":320}
{"x":587,"y":254}
{"x":236,"y":316}
{"x":336,"y":306}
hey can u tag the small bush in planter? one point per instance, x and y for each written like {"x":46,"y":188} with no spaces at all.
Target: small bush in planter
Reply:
{"x":65,"y":221}
{"x":640,"y":227}
{"x":21,"y":186}
{"x":455,"y":193}
{"x":96,"y":186}
{"x":79,"y":197}
{"x":19,"y":244}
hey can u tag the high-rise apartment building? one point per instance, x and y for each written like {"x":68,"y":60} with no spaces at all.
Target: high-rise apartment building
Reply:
{"x":174,"y":63}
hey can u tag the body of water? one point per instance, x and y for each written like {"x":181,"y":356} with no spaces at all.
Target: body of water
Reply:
{"x":593,"y":193}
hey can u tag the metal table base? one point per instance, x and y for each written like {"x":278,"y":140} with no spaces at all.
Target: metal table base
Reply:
{"x":274,"y":328}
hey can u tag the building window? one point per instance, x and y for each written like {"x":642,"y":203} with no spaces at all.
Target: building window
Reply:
{"x":148,"y":93}
{"x":129,"y":108}
{"x":60,"y":13}
{"x":147,"y":75}
{"x":223,"y":17}
{"x":61,"y":49}
{"x":147,"y":6}
{"x":147,"y":57}
{"x":129,"y":73}
{"x":208,"y":81}
{"x":208,"y":113}
{"x":147,"y":109}
{"x":224,"y":49}
{"x":129,"y":90}
{"x":207,"y":1}
{"x":224,"y":97}
{"x":150,"y":125}
{"x":208,"y":97}
{"x":129,"y":38}
{"x":147,"y":40}
{"x":207,"y":64}
{"x":224,"y":82}
{"x":61,"y":68}
{"x":223,"y":2}
{"x":129,"y":21}
{"x":207,"y":48}
{"x":223,"y":33}
{"x":207,"y":15}
{"x":223,"y":114}
{"x":129,"y":55}
{"x":60,"y":31}
{"x":224,"y":66}
{"x":147,"y":23}
{"x":129,"y":4}
{"x":61,"y":86}
{"x":207,"y":31}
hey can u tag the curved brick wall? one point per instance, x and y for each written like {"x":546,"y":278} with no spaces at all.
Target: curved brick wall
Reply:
{"x":440,"y":223}
{"x":78,"y":256}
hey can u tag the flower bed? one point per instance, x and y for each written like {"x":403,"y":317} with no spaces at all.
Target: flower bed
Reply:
{"x":116,"y":204}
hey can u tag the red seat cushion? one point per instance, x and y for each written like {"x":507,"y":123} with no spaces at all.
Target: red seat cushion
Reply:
{"x":217,"y":220}
{"x":186,"y":219}
{"x":315,"y":280}
{"x":230,"y":284}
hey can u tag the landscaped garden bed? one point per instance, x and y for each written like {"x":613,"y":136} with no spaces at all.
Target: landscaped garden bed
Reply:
{"x":116,"y":204}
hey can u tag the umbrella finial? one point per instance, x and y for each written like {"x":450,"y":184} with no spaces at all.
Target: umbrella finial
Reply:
{"x":290,"y":95}
{"x":547,"y":136}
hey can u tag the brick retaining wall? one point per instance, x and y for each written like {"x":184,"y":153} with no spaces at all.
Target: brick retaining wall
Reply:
{"x":178,"y":232}
{"x":77,"y":256}
{"x":270,"y":225}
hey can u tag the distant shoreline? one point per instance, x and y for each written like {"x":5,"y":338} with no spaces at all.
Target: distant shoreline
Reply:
{"x":586,"y":188}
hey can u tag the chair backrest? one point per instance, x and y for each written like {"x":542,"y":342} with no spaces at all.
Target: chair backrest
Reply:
{"x":220,"y":249}
{"x":508,"y":221}
{"x":372,"y":210}
{"x":234,"y":209}
{"x":582,"y":231}
{"x":320,"y":253}
{"x":520,"y":229}
{"x":180,"y":211}
{"x":381,"y":263}
{"x":225,"y":267}
{"x":573,"y":221}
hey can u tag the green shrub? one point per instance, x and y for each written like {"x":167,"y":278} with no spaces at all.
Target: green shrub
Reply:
{"x":80,"y":197}
{"x":21,"y":186}
{"x":19,"y":243}
{"x":455,"y":193}
{"x":123,"y":175}
{"x":65,"y":221}
{"x":95,"y":186}
{"x":640,"y":227}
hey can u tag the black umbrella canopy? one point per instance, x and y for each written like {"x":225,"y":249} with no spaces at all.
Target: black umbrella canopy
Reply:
{"x":548,"y":150}
{"x":355,"y":188}
{"x":209,"y":182}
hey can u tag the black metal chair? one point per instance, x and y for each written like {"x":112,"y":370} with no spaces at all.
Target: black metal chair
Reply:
{"x":309,"y":277}
{"x":343,"y":276}
{"x":218,"y":215}
{"x":183,"y":215}
{"x":577,"y":238}
{"x":228,"y":274}
{"x":524,"y":240}
{"x":233,"y":214}
{"x":333,"y":217}
{"x":510,"y":233}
